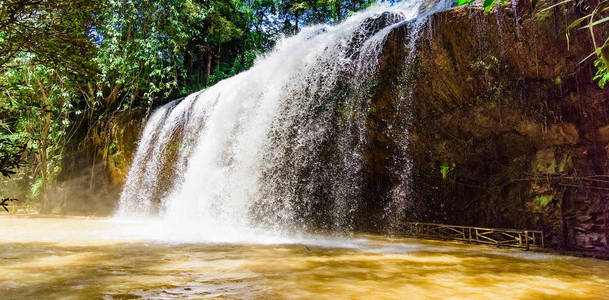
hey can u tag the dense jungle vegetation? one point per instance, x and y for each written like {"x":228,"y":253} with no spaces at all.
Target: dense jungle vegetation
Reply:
{"x":66,"y":64}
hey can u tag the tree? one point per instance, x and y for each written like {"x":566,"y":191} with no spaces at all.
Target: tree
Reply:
{"x":56,"y":31}
{"x":44,"y":44}
{"x":139,"y":51}
{"x":37,"y":104}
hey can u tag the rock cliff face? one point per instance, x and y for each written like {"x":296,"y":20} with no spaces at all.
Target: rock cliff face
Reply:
{"x":97,"y":163}
{"x":508,"y":128}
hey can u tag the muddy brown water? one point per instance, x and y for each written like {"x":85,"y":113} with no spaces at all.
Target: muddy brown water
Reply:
{"x":80,"y":258}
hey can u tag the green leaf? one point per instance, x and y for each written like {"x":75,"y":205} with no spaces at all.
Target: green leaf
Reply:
{"x":576,"y":23}
{"x":557,"y":4}
{"x":603,"y":20}
{"x":488,"y":5}
{"x":445,"y":168}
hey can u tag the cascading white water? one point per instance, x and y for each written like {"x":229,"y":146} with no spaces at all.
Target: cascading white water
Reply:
{"x":280,"y":146}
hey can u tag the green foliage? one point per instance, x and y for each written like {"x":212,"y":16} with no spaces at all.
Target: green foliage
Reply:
{"x":597,"y":17}
{"x":140,"y":45}
{"x":371,"y":109}
{"x":23,"y":114}
{"x":487,"y":4}
{"x":543,"y":200}
{"x":35,"y":187}
{"x":345,"y":113}
{"x":11,"y":151}
{"x":446,"y":168}
{"x":602,"y":66}
{"x":57,"y":32}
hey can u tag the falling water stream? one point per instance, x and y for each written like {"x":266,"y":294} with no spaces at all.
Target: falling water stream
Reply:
{"x":255,"y":189}
{"x":278,"y":148}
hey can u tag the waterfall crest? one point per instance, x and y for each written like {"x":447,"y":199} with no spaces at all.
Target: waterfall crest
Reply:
{"x":281,"y":146}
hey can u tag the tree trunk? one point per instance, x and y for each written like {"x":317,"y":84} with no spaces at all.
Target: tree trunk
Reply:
{"x":218,"y":58}
{"x":337,"y":17}
{"x":113,"y":95}
{"x":42,"y":150}
{"x":208,"y":68}
{"x":188,"y":63}
{"x":296,"y":16}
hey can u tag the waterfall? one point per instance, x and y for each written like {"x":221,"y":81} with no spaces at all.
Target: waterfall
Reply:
{"x":282,"y":146}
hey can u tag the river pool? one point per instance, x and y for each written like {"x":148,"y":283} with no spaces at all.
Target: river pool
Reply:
{"x":91,"y":258}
